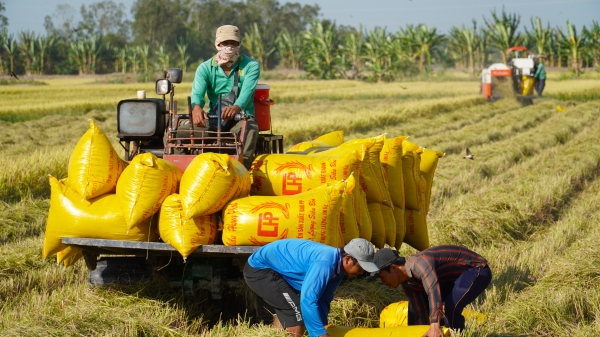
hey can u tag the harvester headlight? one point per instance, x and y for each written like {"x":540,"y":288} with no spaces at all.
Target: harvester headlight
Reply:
{"x":163,"y":87}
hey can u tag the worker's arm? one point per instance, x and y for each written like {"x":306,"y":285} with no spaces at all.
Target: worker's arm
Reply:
{"x":423,"y":269}
{"x":198,"y":91}
{"x":251,"y":74}
{"x":313,"y":288}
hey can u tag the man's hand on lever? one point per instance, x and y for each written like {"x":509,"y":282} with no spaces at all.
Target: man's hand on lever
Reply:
{"x":229,"y":112}
{"x":199,"y":116}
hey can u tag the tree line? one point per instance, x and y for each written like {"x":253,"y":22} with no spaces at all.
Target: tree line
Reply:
{"x":180,"y":33}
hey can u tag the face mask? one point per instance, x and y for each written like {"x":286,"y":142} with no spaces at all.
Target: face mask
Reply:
{"x":227,"y":55}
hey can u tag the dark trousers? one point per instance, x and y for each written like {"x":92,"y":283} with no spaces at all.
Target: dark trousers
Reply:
{"x":539,"y":86}
{"x":470,"y":284}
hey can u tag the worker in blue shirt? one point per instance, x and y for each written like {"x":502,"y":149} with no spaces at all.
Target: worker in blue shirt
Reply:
{"x":298,"y":279}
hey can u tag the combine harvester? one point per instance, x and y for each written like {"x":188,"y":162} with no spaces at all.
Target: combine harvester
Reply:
{"x":513,"y":79}
{"x":149,"y":125}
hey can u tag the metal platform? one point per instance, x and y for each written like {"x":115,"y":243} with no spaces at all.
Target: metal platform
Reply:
{"x":121,"y":247}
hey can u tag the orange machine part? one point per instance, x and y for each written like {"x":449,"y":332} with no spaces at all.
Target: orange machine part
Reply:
{"x":501,"y":72}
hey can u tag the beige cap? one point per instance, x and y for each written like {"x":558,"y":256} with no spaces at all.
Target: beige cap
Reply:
{"x":227,"y":32}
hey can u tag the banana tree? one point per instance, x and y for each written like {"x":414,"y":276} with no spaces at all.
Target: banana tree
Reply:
{"x":594,"y":42}
{"x":143,"y":52}
{"x":183,"y":57}
{"x":423,"y":39}
{"x":162,"y":58}
{"x":574,"y":44}
{"x":463,"y":42}
{"x":378,"y":54}
{"x":27,"y":46}
{"x":255,"y":44}
{"x":540,"y":36}
{"x":289,"y":48}
{"x":319,"y":50}
{"x":44,"y":43}
{"x":12,"y":51}
{"x":352,"y":52}
{"x":503,"y":31}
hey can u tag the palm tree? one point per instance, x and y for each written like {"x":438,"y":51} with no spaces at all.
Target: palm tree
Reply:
{"x":352,"y":51}
{"x":319,"y":50}
{"x":378,"y":53}
{"x":540,"y":36}
{"x":423,"y":39}
{"x":503,"y":31}
{"x":255,"y":44}
{"x":594,"y":42}
{"x":183,"y":57}
{"x":463,"y":41}
{"x":144,"y":52}
{"x":162,"y":58}
{"x":44,"y":43}
{"x":27,"y":46}
{"x":574,"y":44}
{"x":290,"y":49}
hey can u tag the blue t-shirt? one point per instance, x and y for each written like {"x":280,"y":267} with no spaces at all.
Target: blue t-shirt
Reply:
{"x":312,"y":268}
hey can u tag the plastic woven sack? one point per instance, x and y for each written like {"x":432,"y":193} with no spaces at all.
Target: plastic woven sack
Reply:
{"x":414,"y":183}
{"x":378,"y":236}
{"x":429,"y":161}
{"x":348,"y":223}
{"x":399,"y":331}
{"x":391,"y":162}
{"x":400,"y":227}
{"x":94,"y":165}
{"x":416,"y":234}
{"x":334,"y":138}
{"x":185,"y":235}
{"x":144,"y":185}
{"x":69,"y":256}
{"x":211,"y":181}
{"x":312,"y":215}
{"x":100,"y":218}
{"x":390,"y":225}
{"x":396,"y":314}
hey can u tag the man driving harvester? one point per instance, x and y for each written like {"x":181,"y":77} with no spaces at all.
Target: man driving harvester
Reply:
{"x":233,"y":76}
{"x":299,"y":277}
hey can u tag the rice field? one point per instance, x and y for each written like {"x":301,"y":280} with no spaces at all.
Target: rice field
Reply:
{"x":529,"y":203}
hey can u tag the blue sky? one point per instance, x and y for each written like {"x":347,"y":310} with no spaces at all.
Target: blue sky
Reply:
{"x":393,"y":14}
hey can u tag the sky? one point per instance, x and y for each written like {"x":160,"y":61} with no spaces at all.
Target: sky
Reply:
{"x":392,"y":14}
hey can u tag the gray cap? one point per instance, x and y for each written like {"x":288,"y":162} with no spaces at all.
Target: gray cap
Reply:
{"x":363,"y":252}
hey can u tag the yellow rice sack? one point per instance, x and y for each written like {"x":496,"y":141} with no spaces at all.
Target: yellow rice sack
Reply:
{"x":390,"y":225}
{"x":211,"y":181}
{"x":365,"y":225}
{"x":416,"y":234}
{"x":396,"y":314}
{"x":378,"y":222}
{"x":414,"y":183}
{"x":312,"y":215}
{"x":391,"y":162}
{"x":348,"y":223}
{"x":144,"y":185}
{"x":429,"y":161}
{"x":185,"y":235}
{"x":371,"y":174}
{"x":334,"y":138}
{"x":100,"y":218}
{"x":69,"y":256}
{"x":289,"y":174}
{"x":94,"y":165}
{"x":400,"y":226}
{"x":398,"y":331}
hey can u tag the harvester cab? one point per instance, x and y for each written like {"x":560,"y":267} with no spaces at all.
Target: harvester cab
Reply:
{"x":512,"y":79}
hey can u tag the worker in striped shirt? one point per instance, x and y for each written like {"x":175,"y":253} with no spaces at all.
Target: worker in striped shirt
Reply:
{"x":447,"y":274}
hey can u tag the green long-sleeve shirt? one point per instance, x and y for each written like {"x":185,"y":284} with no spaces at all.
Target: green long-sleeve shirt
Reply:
{"x":211,"y":80}
{"x":540,"y":72}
